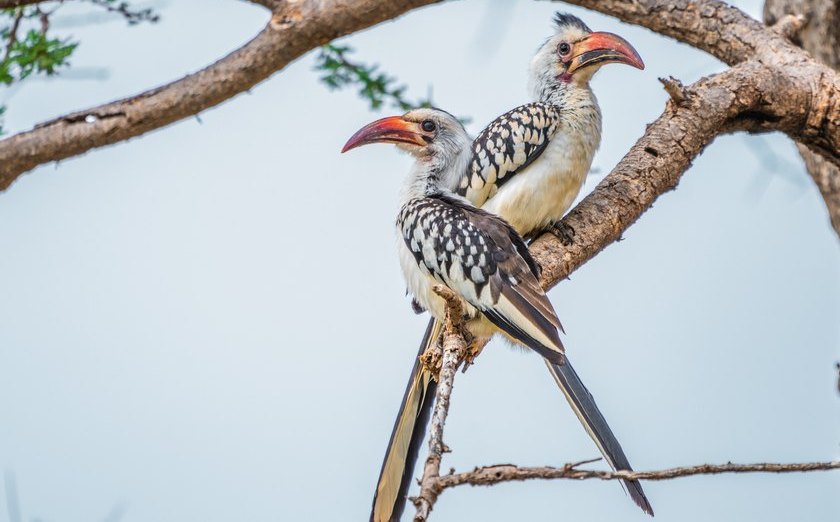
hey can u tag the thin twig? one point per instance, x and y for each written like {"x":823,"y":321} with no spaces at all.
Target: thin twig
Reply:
{"x":675,"y":89}
{"x":13,"y":34}
{"x":489,"y":475}
{"x":454,"y":348}
{"x":790,"y":26}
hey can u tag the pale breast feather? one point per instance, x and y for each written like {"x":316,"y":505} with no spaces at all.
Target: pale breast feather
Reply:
{"x":506,"y":146}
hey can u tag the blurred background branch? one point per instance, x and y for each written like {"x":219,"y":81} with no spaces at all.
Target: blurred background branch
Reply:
{"x":29,"y":47}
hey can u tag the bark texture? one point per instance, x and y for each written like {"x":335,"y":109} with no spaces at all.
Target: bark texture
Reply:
{"x":454,"y":348}
{"x":489,"y":475}
{"x":820,"y":36}
{"x":296,"y":27}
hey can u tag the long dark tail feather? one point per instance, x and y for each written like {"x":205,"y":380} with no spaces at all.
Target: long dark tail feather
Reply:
{"x":590,"y":416}
{"x":406,"y":437}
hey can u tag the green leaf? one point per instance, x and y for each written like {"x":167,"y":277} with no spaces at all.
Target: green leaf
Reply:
{"x":37,"y":53}
{"x":374,"y":86}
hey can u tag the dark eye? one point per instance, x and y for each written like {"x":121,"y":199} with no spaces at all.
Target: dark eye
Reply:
{"x":428,"y":125}
{"x":564,"y":48}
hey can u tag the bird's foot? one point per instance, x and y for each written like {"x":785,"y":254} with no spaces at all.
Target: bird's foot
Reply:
{"x":565,"y":233}
{"x":474,"y":347}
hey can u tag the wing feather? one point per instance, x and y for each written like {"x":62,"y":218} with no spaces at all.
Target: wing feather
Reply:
{"x":468,"y":249}
{"x":507,"y":146}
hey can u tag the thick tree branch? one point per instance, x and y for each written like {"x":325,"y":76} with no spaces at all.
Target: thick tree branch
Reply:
{"x":734,"y":37}
{"x":295,"y":28}
{"x":721,"y":30}
{"x":489,"y":475}
{"x":749,"y":96}
{"x":271,"y":5}
{"x":821,"y":38}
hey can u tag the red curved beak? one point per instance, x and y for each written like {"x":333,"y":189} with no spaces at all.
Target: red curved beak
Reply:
{"x":602,"y":47}
{"x":393,"y":129}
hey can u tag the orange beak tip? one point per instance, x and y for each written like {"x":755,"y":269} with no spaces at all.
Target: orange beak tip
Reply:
{"x":617,"y":48}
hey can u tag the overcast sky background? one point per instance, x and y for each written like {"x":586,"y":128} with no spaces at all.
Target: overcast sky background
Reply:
{"x":185,"y":319}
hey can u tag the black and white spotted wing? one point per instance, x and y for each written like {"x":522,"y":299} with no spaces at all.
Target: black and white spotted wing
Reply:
{"x":505,"y":147}
{"x":483,"y":260}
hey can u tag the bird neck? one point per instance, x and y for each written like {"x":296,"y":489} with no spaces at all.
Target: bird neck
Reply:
{"x":435,"y":174}
{"x":566,"y":95}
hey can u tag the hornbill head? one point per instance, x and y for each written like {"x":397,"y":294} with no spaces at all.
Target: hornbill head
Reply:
{"x":423,"y":133}
{"x":576,"y":52}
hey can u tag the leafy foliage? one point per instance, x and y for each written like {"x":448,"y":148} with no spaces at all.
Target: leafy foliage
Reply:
{"x":374,"y":86}
{"x":28,"y":48}
{"x":35,"y":53}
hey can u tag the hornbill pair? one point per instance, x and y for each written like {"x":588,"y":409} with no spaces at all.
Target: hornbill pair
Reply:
{"x":466,"y":207}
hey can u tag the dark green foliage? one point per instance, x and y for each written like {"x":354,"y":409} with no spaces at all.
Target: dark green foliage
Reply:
{"x":28,"y":47}
{"x":374,"y":86}
{"x":35,"y":53}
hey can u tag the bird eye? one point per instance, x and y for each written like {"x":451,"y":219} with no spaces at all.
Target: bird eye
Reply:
{"x":428,"y":125}
{"x":564,"y":48}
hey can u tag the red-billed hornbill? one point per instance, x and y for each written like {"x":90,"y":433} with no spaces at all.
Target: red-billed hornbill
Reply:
{"x":527,"y":166}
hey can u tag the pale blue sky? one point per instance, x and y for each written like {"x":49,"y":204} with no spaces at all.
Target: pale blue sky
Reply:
{"x":183,"y":318}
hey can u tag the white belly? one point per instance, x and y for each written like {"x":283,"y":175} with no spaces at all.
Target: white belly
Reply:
{"x":420,"y":284}
{"x":544,"y":191}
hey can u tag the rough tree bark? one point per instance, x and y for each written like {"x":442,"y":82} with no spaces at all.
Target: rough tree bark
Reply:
{"x":301,"y":25}
{"x":295,"y":28}
{"x":454,"y":349}
{"x":821,"y":38}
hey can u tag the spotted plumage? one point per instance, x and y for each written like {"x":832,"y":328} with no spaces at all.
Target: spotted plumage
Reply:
{"x":507,"y":146}
{"x":483,"y":260}
{"x":527,"y":166}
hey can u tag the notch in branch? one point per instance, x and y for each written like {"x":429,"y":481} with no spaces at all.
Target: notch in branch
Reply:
{"x":675,"y":89}
{"x":790,"y":26}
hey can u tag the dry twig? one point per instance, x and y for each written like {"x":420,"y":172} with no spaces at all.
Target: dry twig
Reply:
{"x":454,"y":349}
{"x":489,"y":475}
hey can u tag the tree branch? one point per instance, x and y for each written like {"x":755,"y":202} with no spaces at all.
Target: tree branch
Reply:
{"x":271,"y":5}
{"x":300,"y":26}
{"x":490,"y":475}
{"x":748,"y":96}
{"x":9,"y":4}
{"x":454,"y":349}
{"x":295,"y":28}
{"x":721,"y":30}
{"x":821,"y":38}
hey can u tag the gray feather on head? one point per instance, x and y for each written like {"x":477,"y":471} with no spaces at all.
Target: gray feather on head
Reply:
{"x":563,"y":20}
